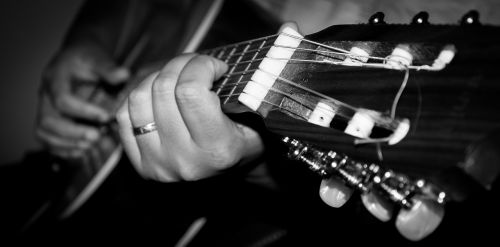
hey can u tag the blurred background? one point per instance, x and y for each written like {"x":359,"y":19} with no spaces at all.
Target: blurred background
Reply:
{"x":30,"y":33}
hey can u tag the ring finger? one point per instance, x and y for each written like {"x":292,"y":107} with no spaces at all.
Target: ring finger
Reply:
{"x":140,"y":109}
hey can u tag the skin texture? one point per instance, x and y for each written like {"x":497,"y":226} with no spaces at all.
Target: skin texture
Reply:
{"x":194,"y":139}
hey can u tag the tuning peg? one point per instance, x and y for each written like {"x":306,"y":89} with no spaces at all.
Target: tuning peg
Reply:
{"x":334,"y":193}
{"x":421,"y":219}
{"x":422,"y":18}
{"x":470,"y":18}
{"x":377,"y":206}
{"x":377,"y":18}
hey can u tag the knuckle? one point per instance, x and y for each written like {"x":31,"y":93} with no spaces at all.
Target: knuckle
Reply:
{"x":138,"y":95}
{"x":223,"y":158}
{"x":203,"y":60}
{"x":122,"y":113}
{"x":163,"y":83}
{"x":189,"y":174}
{"x":186,"y":169}
{"x":185,"y":93}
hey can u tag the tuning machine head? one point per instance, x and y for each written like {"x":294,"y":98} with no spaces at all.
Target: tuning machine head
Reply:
{"x":377,"y":19}
{"x":471,"y":18}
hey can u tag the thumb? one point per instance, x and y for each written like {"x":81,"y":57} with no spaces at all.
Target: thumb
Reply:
{"x":107,"y":70}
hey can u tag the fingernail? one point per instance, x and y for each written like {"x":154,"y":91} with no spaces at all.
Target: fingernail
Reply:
{"x":377,"y":207}
{"x":334,"y":193}
{"x":220,"y":65}
{"x":421,"y":220}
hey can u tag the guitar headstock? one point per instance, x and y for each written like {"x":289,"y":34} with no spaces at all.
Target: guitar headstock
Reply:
{"x":405,"y":99}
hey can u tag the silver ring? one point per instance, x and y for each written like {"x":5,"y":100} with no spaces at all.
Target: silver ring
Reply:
{"x":150,"y":127}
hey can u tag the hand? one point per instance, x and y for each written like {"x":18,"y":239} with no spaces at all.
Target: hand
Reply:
{"x":60,"y":107}
{"x":194,"y":139}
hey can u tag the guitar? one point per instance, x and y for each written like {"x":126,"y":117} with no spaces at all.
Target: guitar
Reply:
{"x":383,"y":108}
{"x":347,"y":94}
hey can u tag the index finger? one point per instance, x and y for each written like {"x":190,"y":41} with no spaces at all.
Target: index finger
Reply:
{"x":200,"y":108}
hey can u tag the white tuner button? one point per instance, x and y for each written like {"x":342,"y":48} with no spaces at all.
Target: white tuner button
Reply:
{"x":400,"y":58}
{"x":357,"y":56}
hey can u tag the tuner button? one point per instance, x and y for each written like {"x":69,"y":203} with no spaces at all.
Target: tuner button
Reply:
{"x":471,"y":18}
{"x":421,"y":219}
{"x":377,"y":206}
{"x":357,"y":56}
{"x":421,"y":18}
{"x":400,"y":57}
{"x":377,"y":18}
{"x":334,"y":193}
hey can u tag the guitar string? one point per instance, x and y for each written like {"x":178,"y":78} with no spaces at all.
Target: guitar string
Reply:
{"x":398,"y":95}
{"x":392,"y":114}
{"x":339,"y":51}
{"x":337,"y":102}
{"x":267,"y":48}
{"x":278,"y":106}
{"x":249,"y":42}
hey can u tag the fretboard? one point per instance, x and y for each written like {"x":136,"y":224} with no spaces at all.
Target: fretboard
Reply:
{"x":243,"y":59}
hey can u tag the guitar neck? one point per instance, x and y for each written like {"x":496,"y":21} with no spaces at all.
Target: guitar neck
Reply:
{"x":242,"y":59}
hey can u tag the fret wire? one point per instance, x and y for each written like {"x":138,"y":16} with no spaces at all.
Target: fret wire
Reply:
{"x":238,"y":73}
{"x":242,"y":42}
{"x":231,"y":69}
{"x":220,"y":53}
{"x":250,"y":52}
{"x":212,"y":53}
{"x":245,"y":69}
{"x":253,"y":50}
{"x":234,"y":67}
{"x":247,"y":61}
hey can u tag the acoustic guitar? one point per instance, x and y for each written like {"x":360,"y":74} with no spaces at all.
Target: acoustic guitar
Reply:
{"x":383,"y":108}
